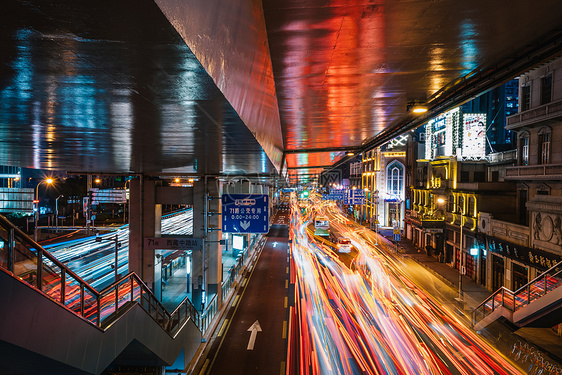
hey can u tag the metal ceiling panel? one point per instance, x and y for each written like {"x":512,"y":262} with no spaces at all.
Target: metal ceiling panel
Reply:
{"x":113,"y":86}
{"x":346,"y":69}
{"x":110,"y":86}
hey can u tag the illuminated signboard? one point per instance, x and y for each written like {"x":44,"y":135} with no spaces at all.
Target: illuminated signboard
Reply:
{"x":442,"y":135}
{"x":237,"y":242}
{"x":16,"y":200}
{"x":455,"y":132}
{"x":474,"y":135}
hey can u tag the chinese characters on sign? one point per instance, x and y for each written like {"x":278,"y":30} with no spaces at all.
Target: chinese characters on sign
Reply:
{"x":534,"y":257}
{"x":245,"y":213}
{"x":172,"y":243}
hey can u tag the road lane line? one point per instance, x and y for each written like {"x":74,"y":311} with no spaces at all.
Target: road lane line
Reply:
{"x":286,"y":302}
{"x":286,"y":284}
{"x":287,"y":270}
{"x":236,"y":300}
{"x":223,"y":327}
{"x":282,"y":368}
{"x":244,"y":282}
{"x":284,"y":329}
{"x":230,"y":322}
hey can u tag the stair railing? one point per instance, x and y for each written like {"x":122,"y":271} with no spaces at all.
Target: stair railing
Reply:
{"x":513,"y":301}
{"x":26,"y":260}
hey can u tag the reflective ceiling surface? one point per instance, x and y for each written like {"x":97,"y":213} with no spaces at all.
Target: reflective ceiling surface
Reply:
{"x":245,"y":86}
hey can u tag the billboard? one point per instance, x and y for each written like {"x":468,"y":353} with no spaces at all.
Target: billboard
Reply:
{"x":456,"y":133}
{"x":474,"y":136}
{"x":16,"y":200}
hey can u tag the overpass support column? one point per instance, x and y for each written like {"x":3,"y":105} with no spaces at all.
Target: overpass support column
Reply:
{"x":144,"y":221}
{"x":207,"y":263}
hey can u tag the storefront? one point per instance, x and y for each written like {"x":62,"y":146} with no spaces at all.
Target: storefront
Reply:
{"x":525,"y":263}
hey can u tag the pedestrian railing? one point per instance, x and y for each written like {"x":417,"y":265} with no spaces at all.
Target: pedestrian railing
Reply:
{"x":26,"y":260}
{"x":543,"y":284}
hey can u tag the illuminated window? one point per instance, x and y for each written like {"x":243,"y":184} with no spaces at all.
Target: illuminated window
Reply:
{"x":395,"y":179}
{"x":524,"y":149}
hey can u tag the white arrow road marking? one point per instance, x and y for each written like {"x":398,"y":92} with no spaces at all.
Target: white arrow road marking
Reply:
{"x":245,"y":224}
{"x":255,"y":328}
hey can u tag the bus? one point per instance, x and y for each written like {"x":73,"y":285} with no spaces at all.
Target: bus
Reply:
{"x":321,"y":226}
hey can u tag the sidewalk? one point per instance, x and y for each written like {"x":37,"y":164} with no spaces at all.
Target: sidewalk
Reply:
{"x":473,"y":293}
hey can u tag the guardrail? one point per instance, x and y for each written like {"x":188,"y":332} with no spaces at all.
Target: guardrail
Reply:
{"x":513,"y":301}
{"x":26,"y":260}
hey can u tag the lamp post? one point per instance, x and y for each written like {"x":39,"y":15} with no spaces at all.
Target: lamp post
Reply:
{"x":458,"y":206}
{"x":48,"y":181}
{"x":376,"y":216}
{"x":117,"y":245}
{"x":57,"y":213}
{"x":125,"y":204}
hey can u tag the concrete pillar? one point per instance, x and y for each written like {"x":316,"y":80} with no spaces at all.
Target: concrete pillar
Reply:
{"x":145,"y":221}
{"x":198,"y":232}
{"x":214,"y":235}
{"x":207,"y":263}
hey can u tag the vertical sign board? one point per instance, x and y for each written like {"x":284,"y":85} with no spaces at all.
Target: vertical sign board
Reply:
{"x":245,"y":213}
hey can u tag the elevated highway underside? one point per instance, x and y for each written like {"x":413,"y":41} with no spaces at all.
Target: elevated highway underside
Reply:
{"x":245,"y":86}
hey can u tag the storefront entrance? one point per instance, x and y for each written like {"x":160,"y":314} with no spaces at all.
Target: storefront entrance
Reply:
{"x":498,"y":272}
{"x":520,"y":277}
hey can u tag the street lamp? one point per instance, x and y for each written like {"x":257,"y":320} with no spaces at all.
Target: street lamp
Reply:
{"x":48,"y":181}
{"x":57,"y":213}
{"x":125,"y":204}
{"x":117,"y":246}
{"x":458,"y":206}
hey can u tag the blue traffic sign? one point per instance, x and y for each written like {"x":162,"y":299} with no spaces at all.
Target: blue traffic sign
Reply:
{"x":245,"y":213}
{"x":355,"y":196}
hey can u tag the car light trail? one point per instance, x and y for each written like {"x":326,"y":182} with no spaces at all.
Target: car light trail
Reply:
{"x":94,"y":261}
{"x":368,"y":317}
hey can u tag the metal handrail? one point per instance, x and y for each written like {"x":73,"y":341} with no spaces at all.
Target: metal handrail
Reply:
{"x":522,"y":297}
{"x":75,"y":294}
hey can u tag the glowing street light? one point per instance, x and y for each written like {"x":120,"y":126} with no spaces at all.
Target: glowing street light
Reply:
{"x":441,"y":201}
{"x":47,"y":181}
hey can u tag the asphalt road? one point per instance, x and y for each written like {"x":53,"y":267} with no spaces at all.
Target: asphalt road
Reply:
{"x":263,"y":300}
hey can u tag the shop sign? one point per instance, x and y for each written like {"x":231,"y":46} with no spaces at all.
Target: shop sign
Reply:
{"x":533,"y":257}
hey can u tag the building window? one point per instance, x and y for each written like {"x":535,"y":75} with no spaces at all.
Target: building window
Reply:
{"x":524,"y":149}
{"x":526,"y":97}
{"x":546,"y":89}
{"x":544,"y":146}
{"x":451,"y":204}
{"x":471,"y":205}
{"x":395,"y":180}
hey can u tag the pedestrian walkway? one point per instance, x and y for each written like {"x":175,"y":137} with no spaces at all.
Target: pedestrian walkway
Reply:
{"x":473,"y":295}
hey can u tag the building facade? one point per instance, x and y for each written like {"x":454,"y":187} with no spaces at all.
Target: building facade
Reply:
{"x":509,"y":205}
{"x":383,"y":180}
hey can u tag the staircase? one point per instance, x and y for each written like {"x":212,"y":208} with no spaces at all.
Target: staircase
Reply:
{"x":536,"y":304}
{"x":51,"y":321}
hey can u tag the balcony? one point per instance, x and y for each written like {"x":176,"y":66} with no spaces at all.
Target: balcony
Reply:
{"x":530,"y":172}
{"x":535,"y":115}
